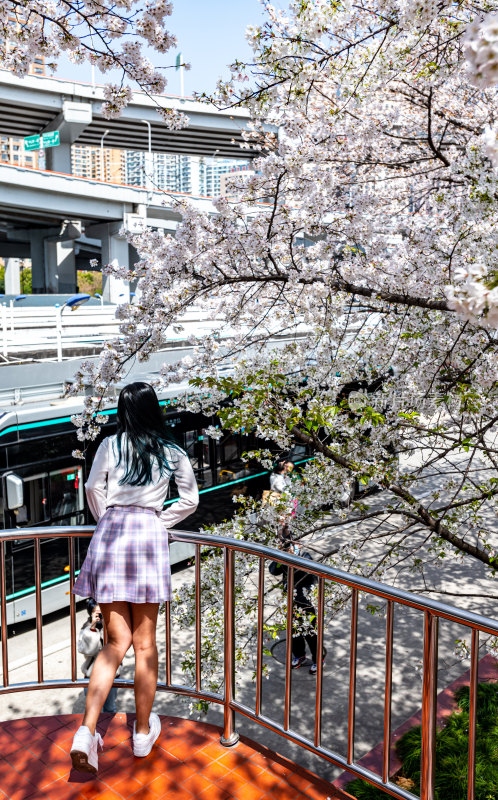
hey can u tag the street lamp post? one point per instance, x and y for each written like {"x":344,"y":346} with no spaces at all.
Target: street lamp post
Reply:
{"x":148,"y":172}
{"x":102,"y":173}
{"x":73,"y":302}
{"x":97,"y":294}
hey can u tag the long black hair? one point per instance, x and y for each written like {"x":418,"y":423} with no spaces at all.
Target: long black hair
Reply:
{"x":147,"y":440}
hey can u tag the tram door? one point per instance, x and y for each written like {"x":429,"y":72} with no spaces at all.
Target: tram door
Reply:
{"x":50,"y":498}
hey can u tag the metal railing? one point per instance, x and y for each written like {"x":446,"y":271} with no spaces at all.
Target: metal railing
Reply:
{"x":431,"y":609}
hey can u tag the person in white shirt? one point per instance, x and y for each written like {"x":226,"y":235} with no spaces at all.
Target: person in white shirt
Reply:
{"x":280,"y":479}
{"x":127,"y":568}
{"x":90,"y":643}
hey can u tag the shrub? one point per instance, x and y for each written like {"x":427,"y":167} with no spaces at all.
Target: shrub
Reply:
{"x":451,"y":752}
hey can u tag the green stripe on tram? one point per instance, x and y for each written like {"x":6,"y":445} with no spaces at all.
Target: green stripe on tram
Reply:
{"x":45,"y":585}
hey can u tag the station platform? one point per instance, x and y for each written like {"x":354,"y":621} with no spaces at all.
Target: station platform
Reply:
{"x":187,"y":763}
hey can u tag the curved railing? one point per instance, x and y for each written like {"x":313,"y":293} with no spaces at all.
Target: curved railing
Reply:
{"x":431,"y":609}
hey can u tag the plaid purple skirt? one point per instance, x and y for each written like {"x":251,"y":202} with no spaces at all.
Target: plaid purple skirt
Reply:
{"x":128,"y":558}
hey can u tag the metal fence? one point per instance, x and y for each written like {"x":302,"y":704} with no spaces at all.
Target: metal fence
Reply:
{"x":431,"y":610}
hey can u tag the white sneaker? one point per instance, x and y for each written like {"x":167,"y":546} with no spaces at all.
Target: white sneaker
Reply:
{"x":84,"y":750}
{"x":142,"y":742}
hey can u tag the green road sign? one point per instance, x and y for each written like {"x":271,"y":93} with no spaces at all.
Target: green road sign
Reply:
{"x":32,"y":143}
{"x":50,"y":139}
{"x":35,"y":142}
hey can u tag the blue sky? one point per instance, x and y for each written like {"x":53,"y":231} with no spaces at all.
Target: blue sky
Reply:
{"x":210,"y":35}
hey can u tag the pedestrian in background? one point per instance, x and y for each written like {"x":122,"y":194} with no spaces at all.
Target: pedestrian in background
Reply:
{"x":127,"y":568}
{"x":280,"y":478}
{"x":280,"y":483}
{"x":303,"y":610}
{"x":90,"y":643}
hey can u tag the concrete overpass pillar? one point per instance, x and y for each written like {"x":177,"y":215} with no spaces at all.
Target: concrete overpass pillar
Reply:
{"x":58,"y":159}
{"x":115,"y":251}
{"x":12,"y":276}
{"x":37,"y":247}
{"x":70,"y":123}
{"x":60,"y":267}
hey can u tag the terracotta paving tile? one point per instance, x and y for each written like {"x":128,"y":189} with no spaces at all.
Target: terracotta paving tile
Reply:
{"x":197,"y":783}
{"x":214,"y":793}
{"x":187,"y":763}
{"x":232,"y":759}
{"x":39,"y":774}
{"x":16,"y":725}
{"x":178,"y":793}
{"x":267,"y":781}
{"x":213,"y":751}
{"x":109,"y":795}
{"x":316,"y":792}
{"x":47,"y":724}
{"x":9,"y":744}
{"x":16,"y":787}
{"x":145,"y":793}
{"x":248,"y":792}
{"x":297,"y":782}
{"x":214,"y":771}
{"x":126,"y":786}
{"x":28,"y":735}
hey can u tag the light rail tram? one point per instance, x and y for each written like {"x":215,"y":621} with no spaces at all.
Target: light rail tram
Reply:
{"x":42,"y":484}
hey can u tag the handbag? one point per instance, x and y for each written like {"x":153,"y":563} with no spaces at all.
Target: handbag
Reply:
{"x":270,"y":497}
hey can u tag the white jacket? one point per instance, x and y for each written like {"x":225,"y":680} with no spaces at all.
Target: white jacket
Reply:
{"x":90,"y":643}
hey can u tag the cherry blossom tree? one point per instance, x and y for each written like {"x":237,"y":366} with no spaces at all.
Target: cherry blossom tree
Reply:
{"x":358,"y":257}
{"x":110,"y":34}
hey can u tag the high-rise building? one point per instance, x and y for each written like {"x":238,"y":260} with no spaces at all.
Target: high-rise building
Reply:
{"x":12,"y":148}
{"x":196,"y":175}
{"x":169,"y":173}
{"x":212,"y":170}
{"x":97,"y":163}
{"x":12,"y":152}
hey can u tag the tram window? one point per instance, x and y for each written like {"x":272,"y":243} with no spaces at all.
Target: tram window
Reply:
{"x":66,"y":494}
{"x":40,"y":450}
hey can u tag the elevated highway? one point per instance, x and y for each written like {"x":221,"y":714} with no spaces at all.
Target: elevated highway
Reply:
{"x":61,"y":221}
{"x":34,"y":105}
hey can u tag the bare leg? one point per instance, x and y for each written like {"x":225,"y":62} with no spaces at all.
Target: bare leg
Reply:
{"x":117,"y":618}
{"x":144,"y":621}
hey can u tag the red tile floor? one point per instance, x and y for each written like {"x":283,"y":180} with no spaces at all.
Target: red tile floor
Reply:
{"x":187,"y":763}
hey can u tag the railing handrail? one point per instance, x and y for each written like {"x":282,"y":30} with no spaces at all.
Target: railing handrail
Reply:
{"x":452,"y":613}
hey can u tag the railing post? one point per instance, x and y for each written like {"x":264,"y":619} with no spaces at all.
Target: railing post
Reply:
{"x":259,"y":634}
{"x":319,"y":661}
{"x":288,"y":649}
{"x":474,"y":675}
{"x":386,"y":760}
{"x":167,"y":616}
{"x":352,"y":674}
{"x":429,"y":702}
{"x":198,"y":631}
{"x":230,"y":736}
{"x":72,"y":605}
{"x":39,"y":611}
